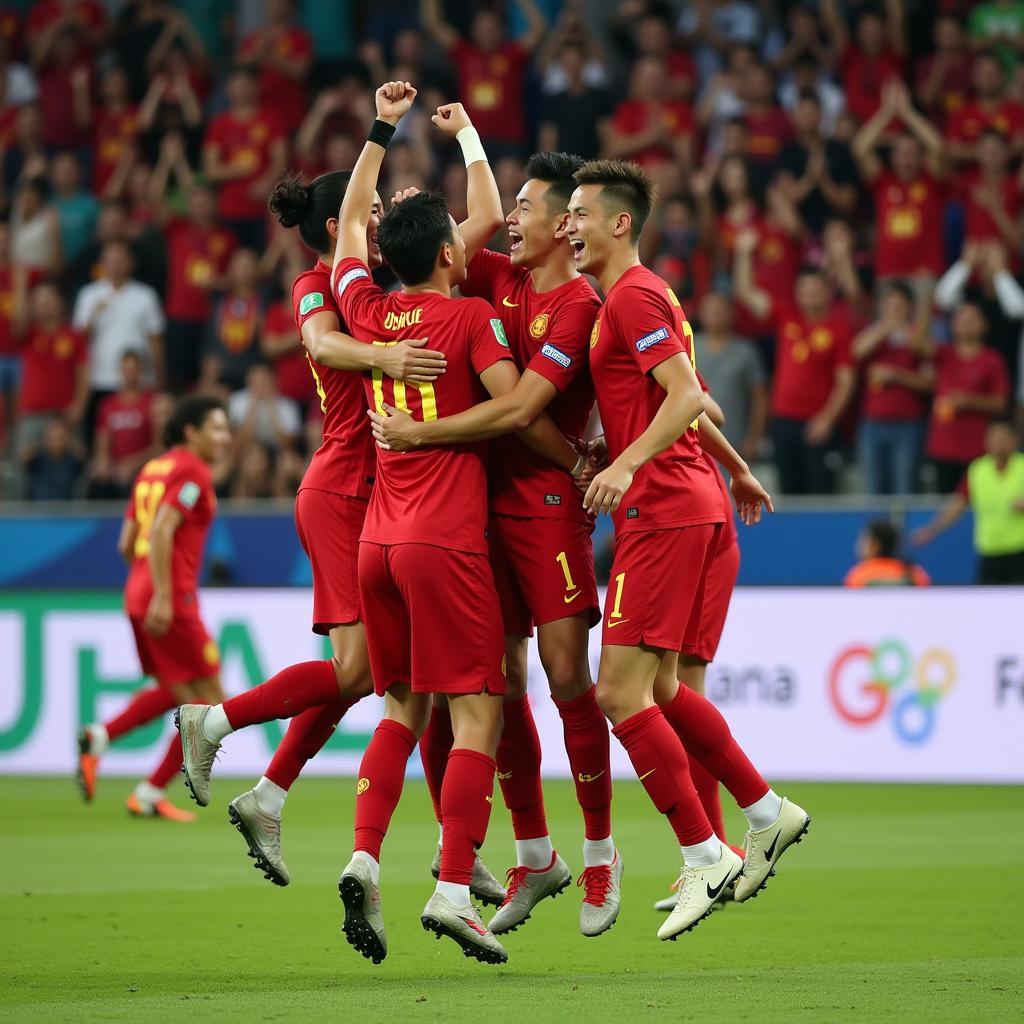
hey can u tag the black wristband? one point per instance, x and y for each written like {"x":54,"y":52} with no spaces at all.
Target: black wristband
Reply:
{"x":381,"y":133}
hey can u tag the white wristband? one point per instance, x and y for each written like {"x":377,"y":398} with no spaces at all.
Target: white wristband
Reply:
{"x":472,"y":147}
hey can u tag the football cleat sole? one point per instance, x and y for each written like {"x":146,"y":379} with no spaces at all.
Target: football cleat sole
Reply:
{"x":357,"y":930}
{"x":260,"y":862}
{"x":469,"y":949}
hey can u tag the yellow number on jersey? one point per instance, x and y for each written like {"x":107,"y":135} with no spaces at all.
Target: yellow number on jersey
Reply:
{"x":688,"y":334}
{"x":428,"y":399}
{"x":147,"y":499}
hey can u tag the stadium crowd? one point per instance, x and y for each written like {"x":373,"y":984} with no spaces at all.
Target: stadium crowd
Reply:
{"x":840,"y":210}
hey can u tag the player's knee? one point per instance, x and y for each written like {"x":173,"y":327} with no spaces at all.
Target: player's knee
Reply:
{"x":567,"y":678}
{"x":612,"y":701}
{"x":353,"y":676}
{"x":515,"y":686}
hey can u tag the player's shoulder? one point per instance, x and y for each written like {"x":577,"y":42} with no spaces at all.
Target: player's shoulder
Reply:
{"x":350,"y":271}
{"x":638,"y":283}
{"x":473,"y":310}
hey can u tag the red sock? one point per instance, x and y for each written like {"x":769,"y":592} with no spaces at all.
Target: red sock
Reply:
{"x":519,"y":770}
{"x":466,"y":803}
{"x":706,"y":736}
{"x":435,"y":746}
{"x":586,"y":742}
{"x":707,"y":791}
{"x":660,"y":763}
{"x":381,"y":776}
{"x":171,"y":764}
{"x":304,"y":739}
{"x":144,"y":707}
{"x":290,"y":692}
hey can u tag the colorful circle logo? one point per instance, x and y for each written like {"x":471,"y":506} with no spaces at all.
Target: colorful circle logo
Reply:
{"x":866,"y":683}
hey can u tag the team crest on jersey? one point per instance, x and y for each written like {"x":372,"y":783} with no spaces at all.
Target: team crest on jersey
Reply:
{"x":539,"y":327}
{"x":499,"y":332}
{"x":595,"y":333}
{"x":314,"y":300}
{"x":189,"y":494}
{"x":362,"y":786}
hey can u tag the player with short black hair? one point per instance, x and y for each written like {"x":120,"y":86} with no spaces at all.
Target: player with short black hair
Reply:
{"x":668,"y":515}
{"x":540,"y":545}
{"x":169,"y":513}
{"x":433,"y":620}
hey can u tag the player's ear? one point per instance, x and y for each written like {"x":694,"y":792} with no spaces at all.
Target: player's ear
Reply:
{"x":623,"y":224}
{"x":446,"y":256}
{"x":563,"y":225}
{"x":332,"y":227}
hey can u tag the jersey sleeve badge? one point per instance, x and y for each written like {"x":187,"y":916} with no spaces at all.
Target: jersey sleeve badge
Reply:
{"x":314,"y":300}
{"x":499,"y":332}
{"x":189,"y":494}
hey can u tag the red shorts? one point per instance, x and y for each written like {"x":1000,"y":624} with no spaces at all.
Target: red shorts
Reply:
{"x":544,"y":571}
{"x":725,"y":567}
{"x":185,"y":653}
{"x":432,"y":619}
{"x":656,"y":587}
{"x":329,"y":526}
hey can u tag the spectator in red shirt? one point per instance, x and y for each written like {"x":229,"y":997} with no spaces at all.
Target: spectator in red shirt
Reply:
{"x":874,"y":59}
{"x":943,"y":78}
{"x":492,"y":71}
{"x":971,"y":387}
{"x":768,"y":125}
{"x":124,"y":434}
{"x":232,"y":338}
{"x":65,"y":72}
{"x":814,"y":376}
{"x":898,"y":377}
{"x":198,"y":253}
{"x":115,"y":127}
{"x":990,"y":109}
{"x":88,"y":17}
{"x":282,"y":52}
{"x":908,"y":195}
{"x":652,"y":34}
{"x":648,"y":128}
{"x":56,"y":372}
{"x":283,"y":350}
{"x":10,"y":342}
{"x":244,"y":153}
{"x":992,"y":197}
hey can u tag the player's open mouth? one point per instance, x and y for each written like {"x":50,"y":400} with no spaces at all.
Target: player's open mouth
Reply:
{"x":578,"y":245}
{"x":515,"y":241}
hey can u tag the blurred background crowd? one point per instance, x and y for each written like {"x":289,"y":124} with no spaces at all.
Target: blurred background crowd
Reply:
{"x":840,"y":211}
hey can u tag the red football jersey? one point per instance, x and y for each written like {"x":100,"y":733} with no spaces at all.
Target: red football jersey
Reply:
{"x":893,"y":401}
{"x":864,"y":76}
{"x":195,"y":256}
{"x":548,"y":333}
{"x":346,"y":462}
{"x":51,"y":364}
{"x":767,"y":132}
{"x":128,"y":424}
{"x":909,"y":215}
{"x":807,"y":354}
{"x":634,"y":117}
{"x":640,"y":326}
{"x":492,"y":87}
{"x":283,"y":94}
{"x":113,"y":133}
{"x":245,"y":144}
{"x":9,"y":343}
{"x":959,"y":434}
{"x":729,"y":535}
{"x":1006,"y":117}
{"x":433,"y":495}
{"x":981,"y":226}
{"x":181,"y":479}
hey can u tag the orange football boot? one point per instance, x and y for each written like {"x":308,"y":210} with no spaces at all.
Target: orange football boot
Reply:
{"x":88,"y":767}
{"x":159,"y":809}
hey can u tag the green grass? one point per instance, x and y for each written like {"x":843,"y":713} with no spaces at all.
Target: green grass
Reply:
{"x":904,"y":903}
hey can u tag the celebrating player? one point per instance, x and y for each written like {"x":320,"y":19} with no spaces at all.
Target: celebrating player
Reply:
{"x":667,"y":511}
{"x":425,"y":579}
{"x":329,"y":512}
{"x":540,"y":545}
{"x":162,"y":538}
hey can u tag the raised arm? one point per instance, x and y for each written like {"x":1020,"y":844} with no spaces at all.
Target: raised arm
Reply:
{"x":835,"y":26}
{"x":483,"y":201}
{"x":393,"y":101}
{"x":866,"y":140}
{"x":757,"y":301}
{"x":434,"y":24}
{"x":536,"y":23}
{"x":920,"y":127}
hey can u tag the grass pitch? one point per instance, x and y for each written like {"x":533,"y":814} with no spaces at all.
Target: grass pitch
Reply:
{"x":904,"y":903}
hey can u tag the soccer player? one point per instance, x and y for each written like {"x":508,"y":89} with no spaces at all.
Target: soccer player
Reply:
{"x":433,"y":619}
{"x":329,"y":512}
{"x":169,"y":513}
{"x":540,"y":545}
{"x":667,"y":510}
